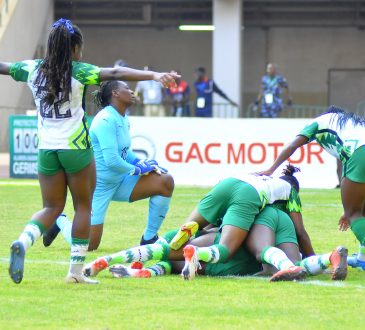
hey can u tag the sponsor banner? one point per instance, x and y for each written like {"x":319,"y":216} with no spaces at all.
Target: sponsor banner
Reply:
{"x":198,"y":151}
{"x":23,"y":146}
{"x":201,"y":151}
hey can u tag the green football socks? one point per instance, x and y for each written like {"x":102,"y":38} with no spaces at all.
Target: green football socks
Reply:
{"x":159,"y":251}
{"x":315,"y":265}
{"x":213,"y":254}
{"x":78,"y":254}
{"x":31,"y":233}
{"x":276,"y":257}
{"x":160,"y":269}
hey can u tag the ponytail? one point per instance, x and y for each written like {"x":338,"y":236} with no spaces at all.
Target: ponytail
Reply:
{"x":55,"y":72}
{"x":102,"y":97}
{"x":288,"y":176}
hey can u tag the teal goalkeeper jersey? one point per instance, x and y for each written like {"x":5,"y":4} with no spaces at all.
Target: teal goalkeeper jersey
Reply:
{"x":111,"y":142}
{"x":61,"y":125}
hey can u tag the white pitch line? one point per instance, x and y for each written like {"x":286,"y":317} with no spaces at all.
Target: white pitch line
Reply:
{"x":320,"y":204}
{"x":33,"y":261}
{"x":19,"y":183}
{"x":334,"y":284}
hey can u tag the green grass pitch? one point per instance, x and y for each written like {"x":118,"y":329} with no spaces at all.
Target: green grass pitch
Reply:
{"x":44,"y":301}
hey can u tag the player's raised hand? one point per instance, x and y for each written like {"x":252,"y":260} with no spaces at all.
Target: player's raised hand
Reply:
{"x":167,"y":79}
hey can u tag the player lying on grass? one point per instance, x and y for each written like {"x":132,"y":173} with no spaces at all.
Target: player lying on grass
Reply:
{"x":271,"y":228}
{"x":341,"y":134}
{"x":120,"y":175}
{"x":237,"y":202}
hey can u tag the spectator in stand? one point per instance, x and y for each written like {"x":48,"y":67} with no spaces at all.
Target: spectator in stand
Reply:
{"x":270,"y":96}
{"x":152,"y":95}
{"x":179,"y":96}
{"x":205,"y":88}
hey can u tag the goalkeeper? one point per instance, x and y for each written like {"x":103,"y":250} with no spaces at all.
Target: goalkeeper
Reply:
{"x":121,"y":175}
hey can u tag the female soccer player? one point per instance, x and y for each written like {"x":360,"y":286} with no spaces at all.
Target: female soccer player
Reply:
{"x":341,"y":134}
{"x":272,"y":239}
{"x":65,"y":157}
{"x":233,"y":205}
{"x":237,"y":202}
{"x":120,"y":175}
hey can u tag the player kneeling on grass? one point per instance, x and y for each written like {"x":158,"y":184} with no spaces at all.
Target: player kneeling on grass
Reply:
{"x":272,"y":228}
{"x":121,"y":175}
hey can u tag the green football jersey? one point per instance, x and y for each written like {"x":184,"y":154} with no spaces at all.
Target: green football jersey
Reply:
{"x":61,"y":125}
{"x":340,"y":143}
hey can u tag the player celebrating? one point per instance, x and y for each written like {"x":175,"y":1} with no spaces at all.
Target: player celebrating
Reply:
{"x":271,"y":228}
{"x":237,"y":202}
{"x":121,"y":176}
{"x":65,"y":157}
{"x":233,"y":204}
{"x":341,"y":134}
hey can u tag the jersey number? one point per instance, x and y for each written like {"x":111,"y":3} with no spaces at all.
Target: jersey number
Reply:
{"x":46,"y":111}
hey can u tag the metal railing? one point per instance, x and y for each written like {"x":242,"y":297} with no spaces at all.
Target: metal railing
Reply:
{"x":293,"y":111}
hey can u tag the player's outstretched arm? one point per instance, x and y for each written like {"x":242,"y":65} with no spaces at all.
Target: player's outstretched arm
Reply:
{"x":299,"y":141}
{"x":123,"y":73}
{"x":4,"y":68}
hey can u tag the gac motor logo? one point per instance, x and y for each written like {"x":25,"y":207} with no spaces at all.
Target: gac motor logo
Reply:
{"x":238,"y":153}
{"x":143,"y":147}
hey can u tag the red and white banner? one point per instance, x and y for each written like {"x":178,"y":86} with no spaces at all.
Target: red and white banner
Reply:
{"x":200,"y":151}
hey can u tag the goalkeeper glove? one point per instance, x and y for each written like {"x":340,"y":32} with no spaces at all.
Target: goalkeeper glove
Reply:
{"x":142,"y":168}
{"x":159,"y":169}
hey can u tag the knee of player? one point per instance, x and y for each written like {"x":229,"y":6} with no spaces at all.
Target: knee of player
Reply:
{"x":168,"y":185}
{"x":55,"y":211}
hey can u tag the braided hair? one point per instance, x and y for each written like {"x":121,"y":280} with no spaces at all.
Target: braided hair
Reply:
{"x":288,"y":176}
{"x":103,"y":96}
{"x":55,"y":71}
{"x":342,"y":116}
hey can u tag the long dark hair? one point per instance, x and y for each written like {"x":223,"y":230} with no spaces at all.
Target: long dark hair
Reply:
{"x":342,"y":116}
{"x":103,"y":96}
{"x":55,"y":72}
{"x":288,"y":176}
